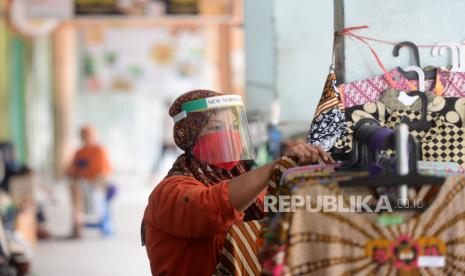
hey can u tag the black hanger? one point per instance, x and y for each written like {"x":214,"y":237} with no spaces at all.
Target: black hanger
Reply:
{"x":422,"y":124}
{"x":430,"y":74}
{"x":361,"y":154}
{"x":388,"y":181}
{"x":413,"y":179}
{"x":365,"y":132}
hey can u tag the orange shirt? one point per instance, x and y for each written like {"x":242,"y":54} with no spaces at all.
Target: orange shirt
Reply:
{"x":90,"y":162}
{"x":185,"y":226}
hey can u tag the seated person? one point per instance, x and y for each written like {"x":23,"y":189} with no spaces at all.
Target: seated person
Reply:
{"x":90,"y":165}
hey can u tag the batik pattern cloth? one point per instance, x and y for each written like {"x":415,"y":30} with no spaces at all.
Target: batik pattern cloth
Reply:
{"x":452,"y":84}
{"x":370,"y":90}
{"x":448,"y":113}
{"x":434,"y":168}
{"x":428,"y":243}
{"x":446,"y":84}
{"x":325,"y":128}
{"x":443,"y":142}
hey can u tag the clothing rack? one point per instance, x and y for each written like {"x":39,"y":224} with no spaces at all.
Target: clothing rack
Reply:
{"x":370,"y":137}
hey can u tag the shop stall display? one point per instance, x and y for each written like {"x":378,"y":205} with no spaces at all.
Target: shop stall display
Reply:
{"x":397,"y":137}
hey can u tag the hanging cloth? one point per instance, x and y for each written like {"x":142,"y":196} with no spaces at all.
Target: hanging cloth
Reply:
{"x":370,"y":244}
{"x":443,"y":141}
{"x":325,"y":128}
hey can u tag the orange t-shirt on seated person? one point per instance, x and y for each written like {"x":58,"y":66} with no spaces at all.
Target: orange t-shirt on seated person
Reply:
{"x":90,"y":162}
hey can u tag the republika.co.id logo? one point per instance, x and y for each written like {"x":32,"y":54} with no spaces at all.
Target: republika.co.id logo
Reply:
{"x":341,"y":204}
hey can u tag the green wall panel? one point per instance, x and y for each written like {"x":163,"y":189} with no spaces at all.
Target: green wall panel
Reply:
{"x":4,"y":91}
{"x":17,"y":101}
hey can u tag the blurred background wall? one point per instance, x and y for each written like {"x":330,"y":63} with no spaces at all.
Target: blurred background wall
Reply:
{"x":288,"y":56}
{"x":117,"y":72}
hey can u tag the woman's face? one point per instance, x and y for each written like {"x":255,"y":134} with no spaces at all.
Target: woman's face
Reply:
{"x":221,"y":121}
{"x":219,"y":142}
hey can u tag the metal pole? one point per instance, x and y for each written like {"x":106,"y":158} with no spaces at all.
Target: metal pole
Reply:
{"x":402,"y":152}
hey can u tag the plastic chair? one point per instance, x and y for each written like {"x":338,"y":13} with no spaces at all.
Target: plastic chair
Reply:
{"x":105,"y":223}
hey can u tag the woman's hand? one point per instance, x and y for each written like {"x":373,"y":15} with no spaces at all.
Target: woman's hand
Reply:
{"x":309,"y":154}
{"x":244,"y":189}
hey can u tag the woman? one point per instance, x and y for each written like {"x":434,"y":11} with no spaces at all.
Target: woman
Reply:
{"x":207,"y":191}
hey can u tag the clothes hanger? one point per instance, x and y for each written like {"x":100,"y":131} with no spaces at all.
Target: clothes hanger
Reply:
{"x":407,"y":149}
{"x":360,"y":154}
{"x":422,"y":124}
{"x":416,"y":57}
{"x":441,"y":48}
{"x":420,"y":74}
{"x":368,"y":138}
{"x":462,"y":56}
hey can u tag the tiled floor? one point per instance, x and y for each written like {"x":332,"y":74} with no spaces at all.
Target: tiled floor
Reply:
{"x":120,"y":255}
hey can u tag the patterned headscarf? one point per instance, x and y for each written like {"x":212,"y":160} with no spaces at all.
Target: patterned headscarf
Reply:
{"x":185,"y":131}
{"x":185,"y":134}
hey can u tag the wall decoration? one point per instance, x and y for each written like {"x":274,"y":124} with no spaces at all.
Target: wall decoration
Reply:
{"x":154,"y":61}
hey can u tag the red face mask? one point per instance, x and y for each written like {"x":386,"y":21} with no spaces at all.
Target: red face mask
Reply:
{"x":214,"y":147}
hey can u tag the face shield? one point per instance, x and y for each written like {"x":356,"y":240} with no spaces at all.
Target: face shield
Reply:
{"x":225,"y":139}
